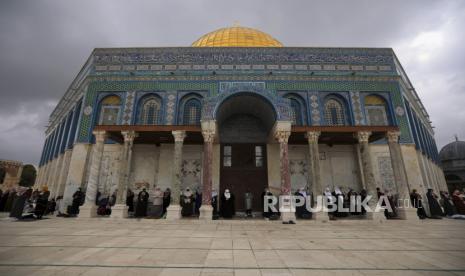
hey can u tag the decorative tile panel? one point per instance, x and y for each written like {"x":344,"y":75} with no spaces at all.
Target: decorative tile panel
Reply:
{"x":314,"y":109}
{"x":170,"y":107}
{"x":128,"y":108}
{"x":357,"y":108}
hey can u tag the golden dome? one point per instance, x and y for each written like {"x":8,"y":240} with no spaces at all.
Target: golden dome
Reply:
{"x":237,"y":37}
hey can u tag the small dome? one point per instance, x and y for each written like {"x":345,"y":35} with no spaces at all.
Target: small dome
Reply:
{"x":237,"y":37}
{"x":453,"y":151}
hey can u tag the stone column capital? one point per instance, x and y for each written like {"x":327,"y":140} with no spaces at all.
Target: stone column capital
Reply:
{"x":363,"y":136}
{"x":208,"y":136}
{"x":179,"y":135}
{"x":282,"y":136}
{"x":393,"y":136}
{"x":100,"y":135}
{"x":312,"y":136}
{"x":129,"y":135}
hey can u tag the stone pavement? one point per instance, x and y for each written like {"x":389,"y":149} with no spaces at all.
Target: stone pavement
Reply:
{"x":104,"y":246}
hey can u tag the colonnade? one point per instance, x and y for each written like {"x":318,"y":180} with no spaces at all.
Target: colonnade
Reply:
{"x":281,"y":134}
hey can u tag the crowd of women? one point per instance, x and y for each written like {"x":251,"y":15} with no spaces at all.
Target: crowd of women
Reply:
{"x":441,"y":206}
{"x":23,"y":203}
{"x":26,"y":203}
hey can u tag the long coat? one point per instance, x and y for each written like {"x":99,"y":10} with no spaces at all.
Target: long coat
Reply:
{"x":459,"y":204}
{"x":18,"y":206}
{"x":434,"y":207}
{"x":187,"y":205}
{"x":227,"y":208}
{"x":142,"y":201}
{"x":41,"y":204}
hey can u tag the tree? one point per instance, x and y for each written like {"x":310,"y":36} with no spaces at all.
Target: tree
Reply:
{"x":2,"y":175}
{"x":28,"y":176}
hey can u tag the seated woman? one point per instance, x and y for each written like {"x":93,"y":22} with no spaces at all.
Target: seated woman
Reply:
{"x":104,"y":206}
{"x":187,"y":203}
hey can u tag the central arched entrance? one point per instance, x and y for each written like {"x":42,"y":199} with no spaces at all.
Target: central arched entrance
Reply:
{"x":244,"y":121}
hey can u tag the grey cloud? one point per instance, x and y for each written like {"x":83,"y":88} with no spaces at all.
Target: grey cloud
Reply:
{"x":43,"y":44}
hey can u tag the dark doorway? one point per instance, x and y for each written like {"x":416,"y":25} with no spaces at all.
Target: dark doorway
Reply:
{"x":243,"y":167}
{"x":245,"y":121}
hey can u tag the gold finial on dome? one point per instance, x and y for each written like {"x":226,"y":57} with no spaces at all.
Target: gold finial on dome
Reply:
{"x":237,"y":36}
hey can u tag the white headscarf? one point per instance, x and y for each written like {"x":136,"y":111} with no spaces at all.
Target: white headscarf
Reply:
{"x":187,"y":192}
{"x":327,"y":192}
{"x":337,"y":191}
{"x":214,"y":193}
{"x":303,"y":192}
{"x":227,"y":194}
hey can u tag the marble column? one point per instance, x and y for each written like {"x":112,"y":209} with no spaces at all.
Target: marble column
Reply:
{"x":286,"y":207}
{"x":179,"y":136}
{"x":174,"y":210}
{"x":120,"y":210}
{"x":209,"y":134}
{"x":314,"y":162}
{"x":207,"y":182}
{"x":89,"y":209}
{"x":400,"y":176}
{"x":368,"y":175}
{"x":314,"y":168}
{"x":283,"y":137}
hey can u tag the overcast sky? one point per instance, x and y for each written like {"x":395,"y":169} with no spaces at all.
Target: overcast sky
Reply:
{"x":43,"y":45}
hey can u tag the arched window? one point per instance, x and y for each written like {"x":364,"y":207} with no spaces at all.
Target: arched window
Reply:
{"x":192,"y":111}
{"x":334,"y":113}
{"x":296,"y":112}
{"x":150,"y":111}
{"x":109,"y":110}
{"x":375,"y":111}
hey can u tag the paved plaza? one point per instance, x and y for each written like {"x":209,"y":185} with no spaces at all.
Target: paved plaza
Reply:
{"x":104,"y":246}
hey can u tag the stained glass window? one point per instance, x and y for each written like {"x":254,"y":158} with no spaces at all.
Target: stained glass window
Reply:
{"x":192,"y":111}
{"x":150,"y":114}
{"x":375,"y":110}
{"x":109,"y":110}
{"x":296,"y":112}
{"x":334,"y":113}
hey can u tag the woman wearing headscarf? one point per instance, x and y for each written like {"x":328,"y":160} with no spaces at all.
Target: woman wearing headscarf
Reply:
{"x":78,"y":196}
{"x":227,"y":204}
{"x":416,"y":200}
{"x":390,"y":214}
{"x":130,"y":200}
{"x":459,"y":202}
{"x":434,"y":207}
{"x":142,"y":202}
{"x":41,"y":203}
{"x":339,"y":202}
{"x":449,"y":208}
{"x":166,"y":200}
{"x":198,"y":201}
{"x":19,"y":202}
{"x":187,"y":203}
